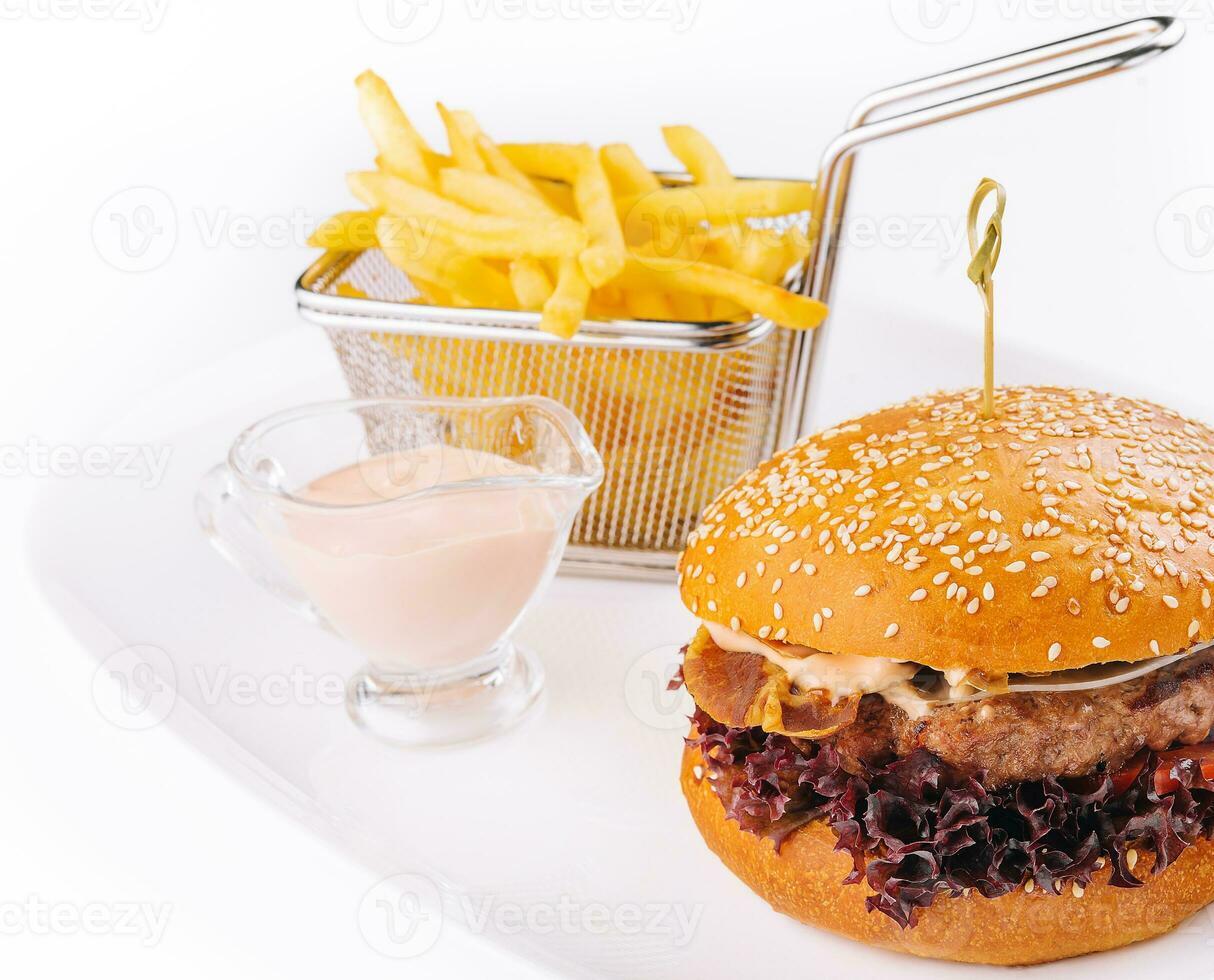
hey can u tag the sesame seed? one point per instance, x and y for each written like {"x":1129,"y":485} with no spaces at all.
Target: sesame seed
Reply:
{"x":918,"y":595}
{"x":862,"y":591}
{"x":735,"y":624}
{"x":891,"y":631}
{"x":1099,"y":642}
{"x":1055,"y":651}
{"x":778,"y":611}
{"x":1131,"y":859}
{"x":939,"y":578}
{"x":988,"y":592}
{"x":775,"y":586}
{"x":1040,"y":556}
{"x":1077,"y":889}
{"x":1028,"y":887}
{"x":1194,"y":628}
{"x":764,"y":632}
{"x":827,"y":612}
{"x":1016,"y":566}
{"x":741,"y":579}
{"x":973,"y":606}
{"x":771,"y":549}
{"x":817,"y":622}
{"x":1171,"y":601}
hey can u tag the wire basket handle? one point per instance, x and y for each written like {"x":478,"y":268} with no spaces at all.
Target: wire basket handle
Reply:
{"x":1113,"y":48}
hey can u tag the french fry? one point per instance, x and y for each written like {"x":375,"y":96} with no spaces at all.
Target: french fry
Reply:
{"x":530,"y":283}
{"x":433,"y":294}
{"x":776,"y":304}
{"x":578,"y":165}
{"x":647,"y":304}
{"x":697,"y":154}
{"x":399,"y":144}
{"x":500,"y":166}
{"x":552,"y":161}
{"x":720,"y":203}
{"x":689,"y":308}
{"x":432,"y":260}
{"x":604,"y":259}
{"x":625,"y":171}
{"x":493,"y":195}
{"x":566,"y":307}
{"x":346,"y":231}
{"x":558,"y":194}
{"x":461,"y":135}
{"x":486,"y":235}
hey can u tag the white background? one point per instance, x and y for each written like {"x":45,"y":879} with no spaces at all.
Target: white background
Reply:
{"x":240,"y":118}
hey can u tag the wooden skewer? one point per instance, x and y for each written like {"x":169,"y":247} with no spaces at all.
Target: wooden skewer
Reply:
{"x":984,"y":252}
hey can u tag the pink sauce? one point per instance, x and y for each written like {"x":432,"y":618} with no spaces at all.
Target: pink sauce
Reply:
{"x":426,"y":583}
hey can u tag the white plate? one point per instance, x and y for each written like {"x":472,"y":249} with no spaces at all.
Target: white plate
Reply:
{"x":566,"y":840}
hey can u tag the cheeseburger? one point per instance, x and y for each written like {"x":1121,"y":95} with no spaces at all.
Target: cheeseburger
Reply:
{"x":954,"y":685}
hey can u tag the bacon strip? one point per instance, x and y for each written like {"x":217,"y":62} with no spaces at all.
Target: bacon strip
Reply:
{"x":745,"y":690}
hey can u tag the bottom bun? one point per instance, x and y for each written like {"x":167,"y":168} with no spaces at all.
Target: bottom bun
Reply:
{"x":805,"y":880}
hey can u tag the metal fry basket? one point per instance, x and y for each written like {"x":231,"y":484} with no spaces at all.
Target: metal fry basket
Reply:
{"x":677,"y":410}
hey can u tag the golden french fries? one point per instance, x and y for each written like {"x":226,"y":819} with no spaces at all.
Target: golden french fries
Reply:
{"x":569,"y":231}
{"x":530,"y":282}
{"x":627,"y":174}
{"x":778,"y":305}
{"x":566,"y":307}
{"x":399,"y":144}
{"x":346,"y":231}
{"x":487,"y":235}
{"x":698,"y":155}
{"x":462,"y":131}
{"x":493,"y":195}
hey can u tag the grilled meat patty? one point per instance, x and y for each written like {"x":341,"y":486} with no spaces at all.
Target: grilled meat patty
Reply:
{"x":1022,"y":736}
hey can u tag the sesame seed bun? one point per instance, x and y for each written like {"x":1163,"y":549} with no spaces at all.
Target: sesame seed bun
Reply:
{"x":804,"y":880}
{"x":1073,"y":528}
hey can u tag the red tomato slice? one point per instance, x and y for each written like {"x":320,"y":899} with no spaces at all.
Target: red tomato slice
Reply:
{"x":1165,"y":782}
{"x":1124,"y":777}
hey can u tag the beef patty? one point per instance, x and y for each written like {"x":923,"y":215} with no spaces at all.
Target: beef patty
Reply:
{"x":1028,"y":735}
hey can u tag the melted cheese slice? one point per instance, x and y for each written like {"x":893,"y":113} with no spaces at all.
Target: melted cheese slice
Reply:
{"x":839,"y":674}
